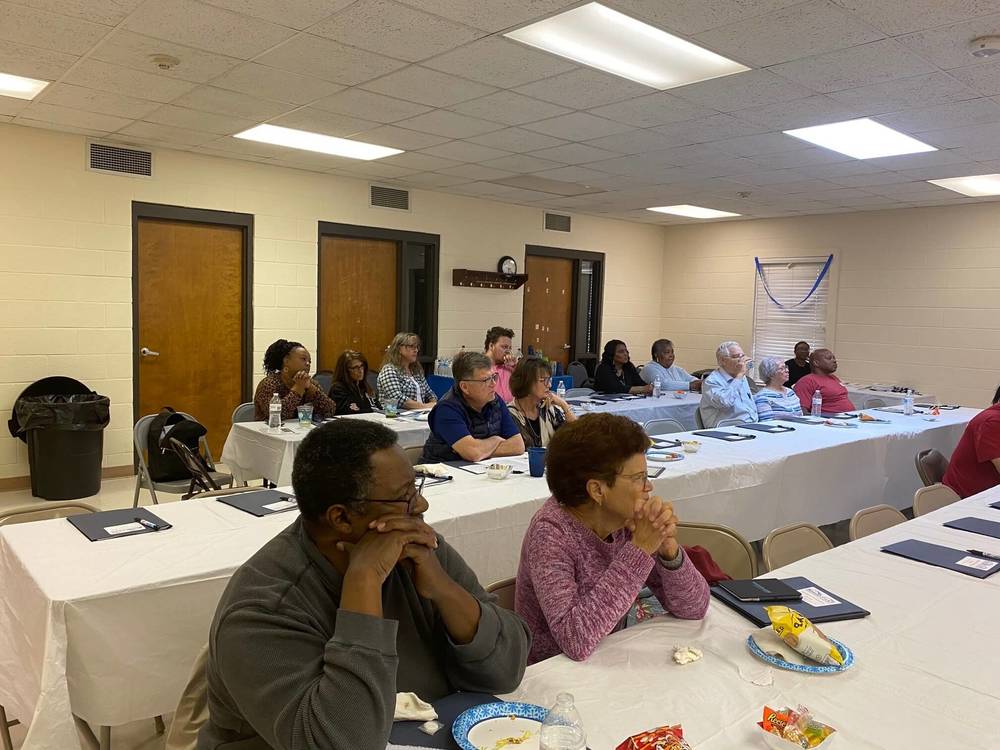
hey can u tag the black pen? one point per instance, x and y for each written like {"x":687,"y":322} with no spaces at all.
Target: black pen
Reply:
{"x":148,"y":524}
{"x":987,"y":555}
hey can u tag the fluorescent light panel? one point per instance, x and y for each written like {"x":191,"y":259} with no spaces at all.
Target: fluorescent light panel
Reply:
{"x":20,"y":87}
{"x":693,"y":212}
{"x":324,"y":144}
{"x":605,"y":39}
{"x":861,"y":139}
{"x":973,"y":186}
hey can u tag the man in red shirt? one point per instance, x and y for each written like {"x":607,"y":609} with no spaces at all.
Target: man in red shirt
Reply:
{"x":975,"y":464}
{"x":822,"y":379}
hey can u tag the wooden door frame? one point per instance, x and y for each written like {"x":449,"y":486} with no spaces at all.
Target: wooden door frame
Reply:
{"x":142,"y":210}
{"x":576,"y":256}
{"x":432,"y":264}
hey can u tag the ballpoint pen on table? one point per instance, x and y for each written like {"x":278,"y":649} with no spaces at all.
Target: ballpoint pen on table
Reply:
{"x":987,"y":555}
{"x":148,"y":524}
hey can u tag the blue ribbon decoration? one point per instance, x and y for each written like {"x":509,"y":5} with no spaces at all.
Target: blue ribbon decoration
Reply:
{"x":815,"y":286}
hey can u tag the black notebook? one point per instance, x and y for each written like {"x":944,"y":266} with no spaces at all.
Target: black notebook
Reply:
{"x":729,"y":437}
{"x":765,"y":427}
{"x":113,"y":524}
{"x":944,"y":557}
{"x":801,"y":420}
{"x":261,"y":502}
{"x":818,"y":604}
{"x":976,"y":526}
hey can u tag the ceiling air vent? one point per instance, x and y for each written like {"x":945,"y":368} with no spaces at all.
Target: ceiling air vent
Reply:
{"x":557,"y":222}
{"x":102,"y":157}
{"x":387,"y":197}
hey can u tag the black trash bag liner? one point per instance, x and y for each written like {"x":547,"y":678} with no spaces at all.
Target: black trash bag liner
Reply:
{"x":79,"y":412}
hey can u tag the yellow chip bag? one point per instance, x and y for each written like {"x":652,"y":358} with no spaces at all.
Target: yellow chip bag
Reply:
{"x":798,"y":632}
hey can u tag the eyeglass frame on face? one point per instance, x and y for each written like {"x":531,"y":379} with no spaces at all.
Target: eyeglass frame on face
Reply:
{"x":415,"y":347}
{"x":358,"y":366}
{"x":412,"y":494}
{"x":634,"y":478}
{"x":546,"y":380}
{"x":491,"y":378}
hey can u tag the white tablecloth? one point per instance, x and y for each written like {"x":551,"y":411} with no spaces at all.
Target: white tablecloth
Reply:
{"x":646,"y":408}
{"x":926,"y":675}
{"x":252,"y":451}
{"x":860,"y":393}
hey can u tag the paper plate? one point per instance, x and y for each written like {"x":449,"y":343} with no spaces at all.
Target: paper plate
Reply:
{"x":486,"y":727}
{"x":845,"y":653}
{"x":664,"y":457}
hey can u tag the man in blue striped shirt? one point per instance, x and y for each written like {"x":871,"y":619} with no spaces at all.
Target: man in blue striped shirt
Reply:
{"x":725,"y":393}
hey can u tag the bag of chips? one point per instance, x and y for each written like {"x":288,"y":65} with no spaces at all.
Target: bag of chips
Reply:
{"x":661,"y":738}
{"x":798,"y":632}
{"x":795,"y":726}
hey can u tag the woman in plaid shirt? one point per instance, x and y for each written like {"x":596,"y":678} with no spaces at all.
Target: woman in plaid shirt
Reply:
{"x":401,"y":380}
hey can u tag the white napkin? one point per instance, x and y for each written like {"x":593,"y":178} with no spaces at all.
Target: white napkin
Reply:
{"x":410,"y":708}
{"x":432,"y":470}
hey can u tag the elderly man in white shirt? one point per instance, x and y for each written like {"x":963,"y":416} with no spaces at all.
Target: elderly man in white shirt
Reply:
{"x":672,"y":377}
{"x":725,"y":393}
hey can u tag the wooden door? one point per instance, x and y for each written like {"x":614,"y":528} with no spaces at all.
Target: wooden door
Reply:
{"x":357,"y":298}
{"x":190,"y":316}
{"x":548,"y":307}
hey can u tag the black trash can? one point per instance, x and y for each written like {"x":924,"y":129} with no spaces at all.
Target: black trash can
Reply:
{"x":63,"y":422}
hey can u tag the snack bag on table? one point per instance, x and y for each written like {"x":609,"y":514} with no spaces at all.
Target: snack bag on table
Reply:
{"x":795,"y":725}
{"x":798,"y":632}
{"x":661,"y":738}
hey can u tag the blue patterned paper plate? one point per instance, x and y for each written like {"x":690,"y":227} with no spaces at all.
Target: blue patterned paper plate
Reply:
{"x":468,"y":720}
{"x":664,"y":457}
{"x":845,"y":653}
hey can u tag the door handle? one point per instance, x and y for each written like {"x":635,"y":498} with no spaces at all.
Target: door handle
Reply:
{"x":147,"y":352}
{"x":567,"y":346}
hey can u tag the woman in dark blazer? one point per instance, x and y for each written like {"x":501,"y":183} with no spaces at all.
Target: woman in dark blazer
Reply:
{"x":350,"y":390}
{"x":616,"y":373}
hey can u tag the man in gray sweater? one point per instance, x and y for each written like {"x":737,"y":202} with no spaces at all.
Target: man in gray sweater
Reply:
{"x":356,"y":600}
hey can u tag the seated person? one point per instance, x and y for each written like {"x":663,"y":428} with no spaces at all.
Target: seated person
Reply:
{"x":798,"y":366}
{"x":598,"y":541}
{"x":616,"y":373}
{"x":537,"y":411}
{"x":350,"y":390}
{"x":498,"y":347}
{"x":401,"y":380}
{"x":774,"y":399}
{"x":672,"y":377}
{"x":287,"y":366}
{"x":471,"y":422}
{"x":975,"y":464}
{"x":725,"y":393}
{"x":822,"y":379}
{"x":356,"y":600}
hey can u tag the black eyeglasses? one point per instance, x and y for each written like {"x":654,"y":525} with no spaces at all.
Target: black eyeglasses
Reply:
{"x":410,"y":498}
{"x":483,"y":381}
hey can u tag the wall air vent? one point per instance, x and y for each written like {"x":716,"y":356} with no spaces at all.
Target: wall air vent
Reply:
{"x":135,"y":162}
{"x":558,"y":222}
{"x":388,"y":197}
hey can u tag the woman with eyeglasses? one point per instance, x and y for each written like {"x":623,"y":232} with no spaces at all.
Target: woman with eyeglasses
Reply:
{"x":350,"y":390}
{"x":537,"y":411}
{"x":600,"y":538}
{"x":401,"y":380}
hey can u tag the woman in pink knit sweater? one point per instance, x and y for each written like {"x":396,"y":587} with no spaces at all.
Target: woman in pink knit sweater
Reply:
{"x":598,"y":541}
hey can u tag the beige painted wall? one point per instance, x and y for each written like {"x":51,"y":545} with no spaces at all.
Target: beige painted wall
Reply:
{"x":915,"y":296}
{"x":65,"y":261}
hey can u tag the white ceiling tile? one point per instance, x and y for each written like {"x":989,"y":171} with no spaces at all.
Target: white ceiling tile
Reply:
{"x":224,"y":102}
{"x":59,"y":127}
{"x":916,"y":161}
{"x":464,"y":151}
{"x":431,"y":179}
{"x":38,"y":28}
{"x":228,"y":144}
{"x":493,"y":15}
{"x":134,"y":51}
{"x":948,"y":46}
{"x":983,"y":77}
{"x":423,"y":86}
{"x":633,"y":165}
{"x":578,"y":126}
{"x":694,"y":16}
{"x":33,"y":62}
{"x":509,"y":108}
{"x":75,"y":117}
{"x":760,"y":144}
{"x":753,"y":88}
{"x":192,"y":119}
{"x":360,"y":103}
{"x":653,"y":109}
{"x":788,"y":34}
{"x":903,"y":93}
{"x":329,"y":60}
{"x":521,"y":163}
{"x":92,"y":100}
{"x":206,"y":27}
{"x":396,"y":137}
{"x":476,"y":172}
{"x":903,"y":16}
{"x":219,"y":154}
{"x":392,"y":29}
{"x":518,"y":140}
{"x":296,"y":14}
{"x":801,"y":113}
{"x":449,"y":124}
{"x":479,"y":188}
{"x":321,"y":121}
{"x":575,"y":153}
{"x":154,"y":132}
{"x":801,"y":158}
{"x":957,"y":114}
{"x":634,"y":142}
{"x":825,"y":171}
{"x":95,"y":74}
{"x":941,"y":171}
{"x":867,"y":180}
{"x":705,"y":129}
{"x":500,"y":62}
{"x":583,"y":88}
{"x":768,"y":177}
{"x":378,"y":169}
{"x":866,"y":64}
{"x":10,"y":106}
{"x":580,"y":175}
{"x":105,"y":12}
{"x":414,"y":160}
{"x":279,"y":85}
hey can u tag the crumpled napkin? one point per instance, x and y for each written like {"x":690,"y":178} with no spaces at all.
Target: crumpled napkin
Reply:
{"x":432,"y":470}
{"x":409,"y":707}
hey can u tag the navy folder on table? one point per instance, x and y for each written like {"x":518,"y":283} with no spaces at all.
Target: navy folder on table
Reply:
{"x":942,"y":557}
{"x":995,"y":505}
{"x":94,"y":525}
{"x":254,"y":502}
{"x":757,"y":614}
{"x":976,"y":526}
{"x":768,"y":427}
{"x":729,"y":437}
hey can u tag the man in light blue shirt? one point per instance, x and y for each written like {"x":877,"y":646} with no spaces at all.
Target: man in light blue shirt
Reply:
{"x":725,"y":393}
{"x":662,"y":368}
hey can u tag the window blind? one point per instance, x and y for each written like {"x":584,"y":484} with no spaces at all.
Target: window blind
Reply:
{"x":776,"y":329}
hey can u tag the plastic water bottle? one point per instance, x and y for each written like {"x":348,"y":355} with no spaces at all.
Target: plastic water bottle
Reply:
{"x":817,"y":405}
{"x":656,"y":388}
{"x":562,"y":728}
{"x":561,"y":389}
{"x":908,"y":402}
{"x":274,"y":414}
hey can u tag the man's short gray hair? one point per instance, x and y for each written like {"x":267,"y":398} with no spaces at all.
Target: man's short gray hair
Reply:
{"x":768,"y":367}
{"x":465,"y":364}
{"x":725,"y":348}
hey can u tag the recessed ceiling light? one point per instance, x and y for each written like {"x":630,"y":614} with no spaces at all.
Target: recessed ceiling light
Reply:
{"x":20,"y":87}
{"x":693,"y":212}
{"x":974,"y":185}
{"x":324,"y":144}
{"x":862,"y":139}
{"x":605,"y":39}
